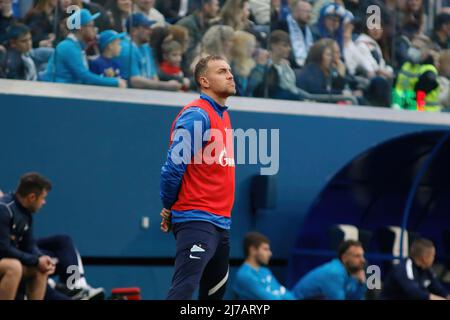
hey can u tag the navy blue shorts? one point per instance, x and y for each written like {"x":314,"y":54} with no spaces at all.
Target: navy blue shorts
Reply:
{"x":201,"y":261}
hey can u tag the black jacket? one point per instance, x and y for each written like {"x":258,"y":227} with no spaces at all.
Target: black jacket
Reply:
{"x":408,"y":281}
{"x":16,"y":232}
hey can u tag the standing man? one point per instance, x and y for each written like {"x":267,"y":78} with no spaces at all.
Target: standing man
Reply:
{"x":197,"y":185}
{"x":16,"y":233}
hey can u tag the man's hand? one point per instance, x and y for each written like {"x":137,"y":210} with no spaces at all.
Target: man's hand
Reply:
{"x":122,"y":83}
{"x":360,"y":276}
{"x":47,"y":42}
{"x":172,"y":85}
{"x":46,"y":265}
{"x":435,"y":297}
{"x":166,"y":222}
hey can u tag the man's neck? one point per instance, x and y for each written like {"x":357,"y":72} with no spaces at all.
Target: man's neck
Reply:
{"x":215,"y":97}
{"x":79,"y":37}
{"x":418,"y":264}
{"x":276,"y":59}
{"x":20,"y":200}
{"x":301,"y":24}
{"x":137,"y":41}
{"x":252,"y":263}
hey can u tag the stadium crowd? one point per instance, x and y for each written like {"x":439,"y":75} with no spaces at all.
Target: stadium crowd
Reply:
{"x":395,"y":54}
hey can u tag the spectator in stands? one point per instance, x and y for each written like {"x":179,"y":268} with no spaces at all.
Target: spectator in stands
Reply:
{"x":414,"y":13}
{"x":242,"y":62}
{"x":355,"y":60}
{"x":181,"y":35}
{"x":297,"y":25}
{"x":319,"y":4}
{"x":16,"y":236}
{"x":68,"y":64}
{"x":281,"y":79}
{"x":136,"y":58}
{"x":18,"y":62}
{"x":260,"y":10}
{"x":103,"y":21}
{"x":418,"y":74}
{"x":257,"y":86}
{"x":40,"y":19}
{"x":217,"y":41}
{"x":275,"y":14}
{"x":236,"y":13}
{"x":21,"y":61}
{"x":147,"y":8}
{"x":358,"y":9}
{"x":170,"y":67}
{"x":2,"y":61}
{"x":441,"y":32}
{"x":324,"y":72}
{"x":173,"y":10}
{"x":158,"y":36}
{"x":343,"y":278}
{"x":366,"y":66}
{"x":6,"y":18}
{"x":197,"y":24}
{"x":413,"y":278}
{"x":119,"y":11}
{"x":444,"y":78}
{"x":254,"y":281}
{"x":109,"y":45}
{"x":330,"y":24}
{"x":402,"y":42}
{"x":367,"y":43}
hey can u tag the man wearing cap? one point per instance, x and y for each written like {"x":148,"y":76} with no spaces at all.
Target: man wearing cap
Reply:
{"x":109,"y":45}
{"x":69,"y":64}
{"x":136,"y":57}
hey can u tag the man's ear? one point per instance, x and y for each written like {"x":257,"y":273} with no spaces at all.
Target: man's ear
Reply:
{"x":31,"y":197}
{"x":204,"y":82}
{"x":13,"y":44}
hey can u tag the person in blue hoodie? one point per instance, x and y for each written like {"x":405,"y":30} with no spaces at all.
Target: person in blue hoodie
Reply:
{"x":68,"y":63}
{"x":254,"y":281}
{"x":330,"y":24}
{"x":343,"y":278}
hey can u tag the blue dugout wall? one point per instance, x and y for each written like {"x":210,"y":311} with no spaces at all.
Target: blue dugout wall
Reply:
{"x":103,"y":149}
